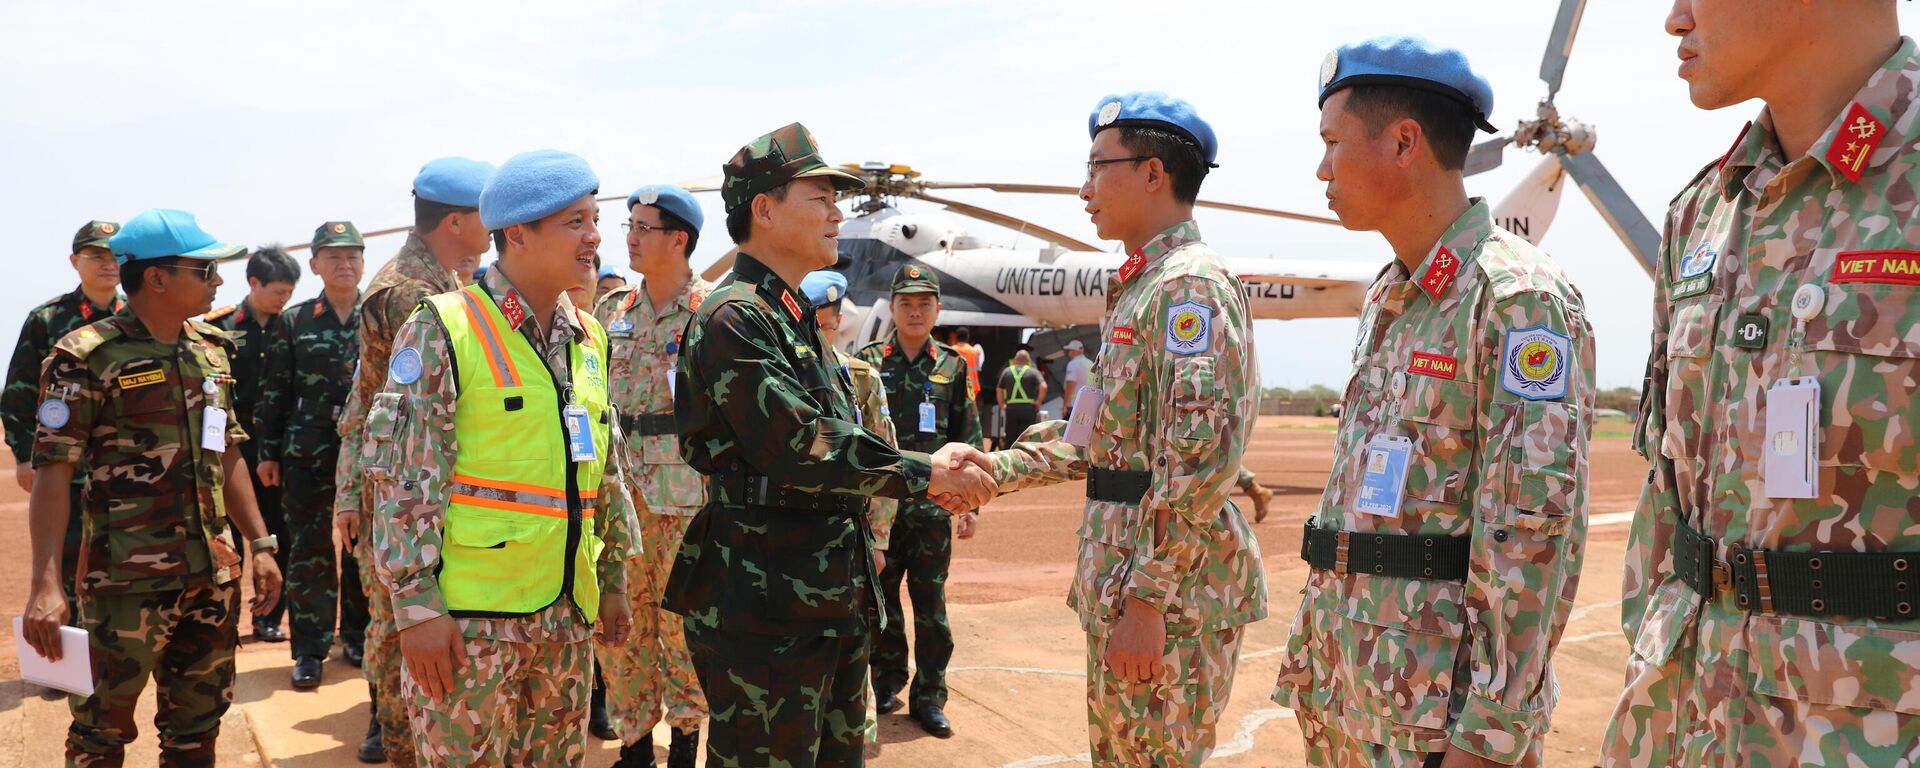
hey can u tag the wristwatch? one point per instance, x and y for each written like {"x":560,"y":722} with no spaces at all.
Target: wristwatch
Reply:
{"x":267,"y":543}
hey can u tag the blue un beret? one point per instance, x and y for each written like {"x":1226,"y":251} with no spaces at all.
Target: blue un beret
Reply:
{"x":1412,"y":62}
{"x":159,"y":232}
{"x":824,"y":288}
{"x":1156,"y":109}
{"x":671,"y":199}
{"x":534,"y":185}
{"x":452,"y":181}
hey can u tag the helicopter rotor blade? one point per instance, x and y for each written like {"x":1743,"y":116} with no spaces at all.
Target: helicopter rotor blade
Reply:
{"x":720,"y":267}
{"x":1621,"y":214}
{"x":1010,"y":222}
{"x":1486,"y":156}
{"x":1055,"y":189}
{"x":363,"y":236}
{"x":1566,"y":24}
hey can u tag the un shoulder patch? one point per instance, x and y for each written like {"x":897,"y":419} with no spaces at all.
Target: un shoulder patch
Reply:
{"x":54,"y":414}
{"x":1535,"y":363}
{"x":1189,"y":328}
{"x":405,"y":367}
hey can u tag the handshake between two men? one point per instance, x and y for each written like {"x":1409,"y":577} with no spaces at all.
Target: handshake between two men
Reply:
{"x":962,"y":478}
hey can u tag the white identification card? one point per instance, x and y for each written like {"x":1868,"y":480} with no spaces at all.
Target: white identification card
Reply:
{"x":1793,"y":439}
{"x":929,"y":418}
{"x":671,"y":384}
{"x":1385,"y":479}
{"x":579,"y":434}
{"x":213,"y":429}
{"x":1086,"y":409}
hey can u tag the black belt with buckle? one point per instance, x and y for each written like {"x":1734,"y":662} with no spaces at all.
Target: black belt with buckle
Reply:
{"x":1438,"y":557}
{"x":1121,"y":486}
{"x":1879,"y":585}
{"x":740,"y":488}
{"x":649,"y":424}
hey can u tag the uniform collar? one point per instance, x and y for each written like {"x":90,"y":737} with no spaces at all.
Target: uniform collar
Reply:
{"x":689,"y":299}
{"x":1173,"y":237}
{"x":1438,"y":274}
{"x":326,"y":307}
{"x":750,"y":270}
{"x":131,"y":327}
{"x":417,"y":261}
{"x":1866,"y":134}
{"x":515,"y":307}
{"x":89,"y":310}
{"x":894,"y":347}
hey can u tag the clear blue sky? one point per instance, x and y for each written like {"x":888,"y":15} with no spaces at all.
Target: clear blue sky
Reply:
{"x":266,"y":119}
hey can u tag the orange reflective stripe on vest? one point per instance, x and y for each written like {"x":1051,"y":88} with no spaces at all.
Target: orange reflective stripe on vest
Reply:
{"x":498,"y":361}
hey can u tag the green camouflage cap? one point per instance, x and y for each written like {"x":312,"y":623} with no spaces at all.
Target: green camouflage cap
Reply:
{"x":914,"y":278}
{"x":95,"y":234}
{"x":337,"y":234}
{"x":768,"y":162}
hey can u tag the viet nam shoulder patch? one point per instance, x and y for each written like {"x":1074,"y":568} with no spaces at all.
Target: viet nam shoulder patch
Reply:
{"x":1534,"y":365}
{"x":1189,"y":328}
{"x":405,"y":367}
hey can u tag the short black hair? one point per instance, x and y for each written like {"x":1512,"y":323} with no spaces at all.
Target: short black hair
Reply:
{"x":1177,"y":153}
{"x":962,"y":336}
{"x":1447,"y":122}
{"x":133,"y":273}
{"x":673,"y":223}
{"x":272,"y":264}
{"x":740,"y":220}
{"x":427,"y":214}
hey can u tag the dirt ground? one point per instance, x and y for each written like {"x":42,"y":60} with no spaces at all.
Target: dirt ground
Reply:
{"x":1017,"y":676}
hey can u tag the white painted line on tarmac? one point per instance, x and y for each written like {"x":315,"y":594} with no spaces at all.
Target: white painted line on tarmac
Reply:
{"x":1021,"y":671}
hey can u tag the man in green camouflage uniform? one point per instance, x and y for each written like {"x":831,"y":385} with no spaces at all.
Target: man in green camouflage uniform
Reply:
{"x":926,"y":383}
{"x":271,"y":275}
{"x":447,"y":232}
{"x":309,"y":369}
{"x":1446,"y":549}
{"x":1169,"y":570}
{"x":1770,"y":590}
{"x":137,"y":401}
{"x":775,"y":572}
{"x":646,"y":323}
{"x":498,"y":582}
{"x":97,"y":297}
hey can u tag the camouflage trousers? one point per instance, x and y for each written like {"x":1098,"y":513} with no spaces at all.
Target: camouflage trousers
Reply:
{"x":382,"y":665}
{"x":184,"y":639}
{"x":513,"y":704}
{"x":1716,"y":686}
{"x":920,"y":551}
{"x":1329,"y":747}
{"x":1171,"y":720}
{"x":320,"y":593}
{"x":652,"y":669}
{"x":787,"y":701}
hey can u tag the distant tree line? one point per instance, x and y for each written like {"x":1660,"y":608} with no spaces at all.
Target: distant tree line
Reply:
{"x":1318,"y":400}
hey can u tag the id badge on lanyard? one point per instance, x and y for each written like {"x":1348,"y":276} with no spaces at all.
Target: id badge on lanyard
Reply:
{"x":929,"y":415}
{"x":1385,"y":480}
{"x":580,"y":445}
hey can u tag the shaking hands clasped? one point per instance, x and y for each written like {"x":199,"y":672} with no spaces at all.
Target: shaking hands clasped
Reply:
{"x":962,"y":478}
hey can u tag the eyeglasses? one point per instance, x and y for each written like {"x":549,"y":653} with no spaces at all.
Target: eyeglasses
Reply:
{"x":205,"y":271}
{"x":645,"y":228}
{"x":1094,"y":165}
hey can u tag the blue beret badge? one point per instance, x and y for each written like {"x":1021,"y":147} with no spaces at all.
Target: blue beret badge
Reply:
{"x":54,"y":414}
{"x":1189,"y":328}
{"x":1535,"y":364}
{"x":405,"y":367}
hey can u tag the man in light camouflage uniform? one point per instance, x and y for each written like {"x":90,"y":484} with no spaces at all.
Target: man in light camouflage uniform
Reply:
{"x":1772,"y":624}
{"x":446,"y":233}
{"x":1169,"y":571}
{"x":646,"y":323}
{"x":491,"y":680}
{"x":1446,"y":549}
{"x":137,"y":401}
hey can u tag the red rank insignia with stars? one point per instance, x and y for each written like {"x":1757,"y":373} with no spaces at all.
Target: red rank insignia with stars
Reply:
{"x":1440,"y":273}
{"x":1135,"y":262}
{"x":515,"y":311}
{"x":791,"y":305}
{"x":1860,"y":133}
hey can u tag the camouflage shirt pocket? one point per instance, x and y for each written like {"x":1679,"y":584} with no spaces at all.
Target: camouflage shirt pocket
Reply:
{"x":383,"y":429}
{"x":1438,"y":416}
{"x":1836,"y":665}
{"x":1195,"y":414}
{"x":1868,"y":361}
{"x":1541,"y":487}
{"x":1690,"y":344}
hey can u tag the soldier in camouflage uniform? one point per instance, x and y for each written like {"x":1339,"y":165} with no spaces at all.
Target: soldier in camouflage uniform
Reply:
{"x":447,"y":232}
{"x":137,"y":401}
{"x":271,"y":275}
{"x":309,"y":370}
{"x":1446,"y":549}
{"x":502,"y":521}
{"x":775,"y":571}
{"x":1169,"y":571}
{"x":1769,"y":596}
{"x":97,"y":297}
{"x":826,"y":290}
{"x":926,"y":383}
{"x":646,"y":323}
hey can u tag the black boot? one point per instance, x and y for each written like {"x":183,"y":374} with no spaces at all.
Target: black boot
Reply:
{"x":637,"y":755}
{"x":597,"y":722}
{"x":684,"y":747}
{"x":372,"y":749}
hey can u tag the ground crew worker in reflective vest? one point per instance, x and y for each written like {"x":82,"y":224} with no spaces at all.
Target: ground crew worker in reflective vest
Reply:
{"x":501,"y":520}
{"x":1022,"y":389}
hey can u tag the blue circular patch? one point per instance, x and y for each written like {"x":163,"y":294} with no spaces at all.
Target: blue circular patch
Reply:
{"x":405,"y":367}
{"x":54,"y":414}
